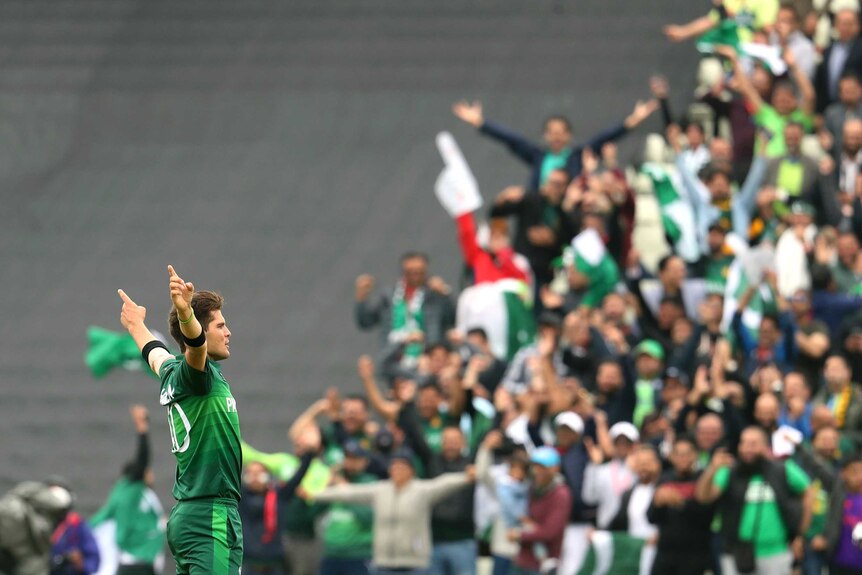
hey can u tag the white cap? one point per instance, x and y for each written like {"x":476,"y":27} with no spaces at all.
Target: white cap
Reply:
{"x":571,"y":420}
{"x":625,"y":429}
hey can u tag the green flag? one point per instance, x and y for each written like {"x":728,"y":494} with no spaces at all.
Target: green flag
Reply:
{"x":110,"y":349}
{"x":284,"y":465}
{"x":612,"y":553}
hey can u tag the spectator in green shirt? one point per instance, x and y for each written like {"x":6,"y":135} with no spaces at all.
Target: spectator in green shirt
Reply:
{"x":784,"y":106}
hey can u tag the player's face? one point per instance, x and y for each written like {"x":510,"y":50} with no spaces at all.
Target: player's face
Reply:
{"x":218,"y":337}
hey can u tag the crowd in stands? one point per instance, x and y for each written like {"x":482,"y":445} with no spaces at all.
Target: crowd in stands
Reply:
{"x":571,"y":404}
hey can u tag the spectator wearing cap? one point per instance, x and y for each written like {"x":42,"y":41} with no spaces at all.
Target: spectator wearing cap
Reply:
{"x":541,"y":535}
{"x":798,"y":178}
{"x":520,"y":374}
{"x":683,"y":522}
{"x":842,"y":397}
{"x":573,"y":464}
{"x":606,"y":482}
{"x":415,"y":305}
{"x":347,"y":532}
{"x":632,"y":516}
{"x":649,"y":363}
{"x":402,"y":512}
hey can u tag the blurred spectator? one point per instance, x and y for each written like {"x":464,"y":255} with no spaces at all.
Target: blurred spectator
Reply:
{"x":747,"y":17}
{"x":135,"y":508}
{"x":633,"y":516}
{"x":73,"y":548}
{"x":843,"y":55}
{"x":402,"y":530}
{"x":845,"y":515}
{"x":417,"y":304}
{"x":683,"y":522}
{"x":606,"y":483}
{"x":842,"y":397}
{"x":787,"y":35}
{"x":558,"y":150}
{"x":541,"y":534}
{"x":835,"y":116}
{"x":762,"y":503}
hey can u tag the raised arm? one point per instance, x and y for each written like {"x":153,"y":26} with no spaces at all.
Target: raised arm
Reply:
{"x":307,"y":418}
{"x":141,"y":418}
{"x":706,"y":491}
{"x":683,"y":32}
{"x":193,"y":332}
{"x":744,"y":85}
{"x":443,"y":485}
{"x":472,"y":114}
{"x":806,"y":88}
{"x":348,"y":493}
{"x":132,"y":317}
{"x":470,"y":249}
{"x":386,"y":408}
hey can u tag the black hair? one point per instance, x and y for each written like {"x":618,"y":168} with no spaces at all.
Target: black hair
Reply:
{"x":662,"y":263}
{"x":821,"y":277}
{"x":479,"y":332}
{"x":850,"y":75}
{"x":557,"y":118}
{"x":850,"y":459}
{"x":357,"y":397}
{"x":771,"y":317}
{"x":411,"y":255}
{"x":431,"y":383}
{"x":685,"y":438}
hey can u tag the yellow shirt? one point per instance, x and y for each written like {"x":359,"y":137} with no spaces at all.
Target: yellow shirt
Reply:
{"x":749,"y":15}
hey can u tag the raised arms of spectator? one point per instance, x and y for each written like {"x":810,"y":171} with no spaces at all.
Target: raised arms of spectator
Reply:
{"x":386,"y":408}
{"x":744,"y":203}
{"x":470,"y":248}
{"x":508,"y":202}
{"x":443,"y":485}
{"x":806,"y":88}
{"x":408,"y":420}
{"x":141,"y":419}
{"x":659,"y":88}
{"x":367,"y":312}
{"x":485,"y":459}
{"x":683,"y":32}
{"x":307,"y":419}
{"x":744,"y":85}
{"x":517,"y":144}
{"x":744,"y":337}
{"x":287,"y":491}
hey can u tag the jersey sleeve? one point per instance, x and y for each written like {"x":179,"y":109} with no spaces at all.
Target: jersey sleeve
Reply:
{"x":179,"y":379}
{"x":797,"y":479}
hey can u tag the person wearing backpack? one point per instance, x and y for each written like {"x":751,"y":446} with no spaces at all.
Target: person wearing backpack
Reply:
{"x":765,"y":506}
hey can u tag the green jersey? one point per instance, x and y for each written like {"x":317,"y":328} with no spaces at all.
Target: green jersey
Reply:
{"x":204,"y":429}
{"x":139,"y":517}
{"x":761,"y":509}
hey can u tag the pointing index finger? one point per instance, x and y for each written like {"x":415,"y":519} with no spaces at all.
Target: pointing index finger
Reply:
{"x":125,"y":297}
{"x":171,"y":271}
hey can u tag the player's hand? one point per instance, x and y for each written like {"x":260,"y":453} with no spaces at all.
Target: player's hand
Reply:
{"x":141,"y":418}
{"x":181,"y":293}
{"x":131,"y":314}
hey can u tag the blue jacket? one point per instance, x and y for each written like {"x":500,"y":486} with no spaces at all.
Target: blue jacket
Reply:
{"x":832,"y":308}
{"x":73,"y":534}
{"x":533,"y":154}
{"x":783,"y":354}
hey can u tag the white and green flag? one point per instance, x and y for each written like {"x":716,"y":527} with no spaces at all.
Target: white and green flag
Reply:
{"x":589,"y":256}
{"x":504,"y":310}
{"x":677,"y":215}
{"x":615,"y":553}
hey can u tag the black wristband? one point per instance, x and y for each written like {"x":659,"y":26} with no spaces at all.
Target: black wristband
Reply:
{"x":199,"y":341}
{"x":150,"y":346}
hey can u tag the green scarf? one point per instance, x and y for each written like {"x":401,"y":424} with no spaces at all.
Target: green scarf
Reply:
{"x":407,"y":318}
